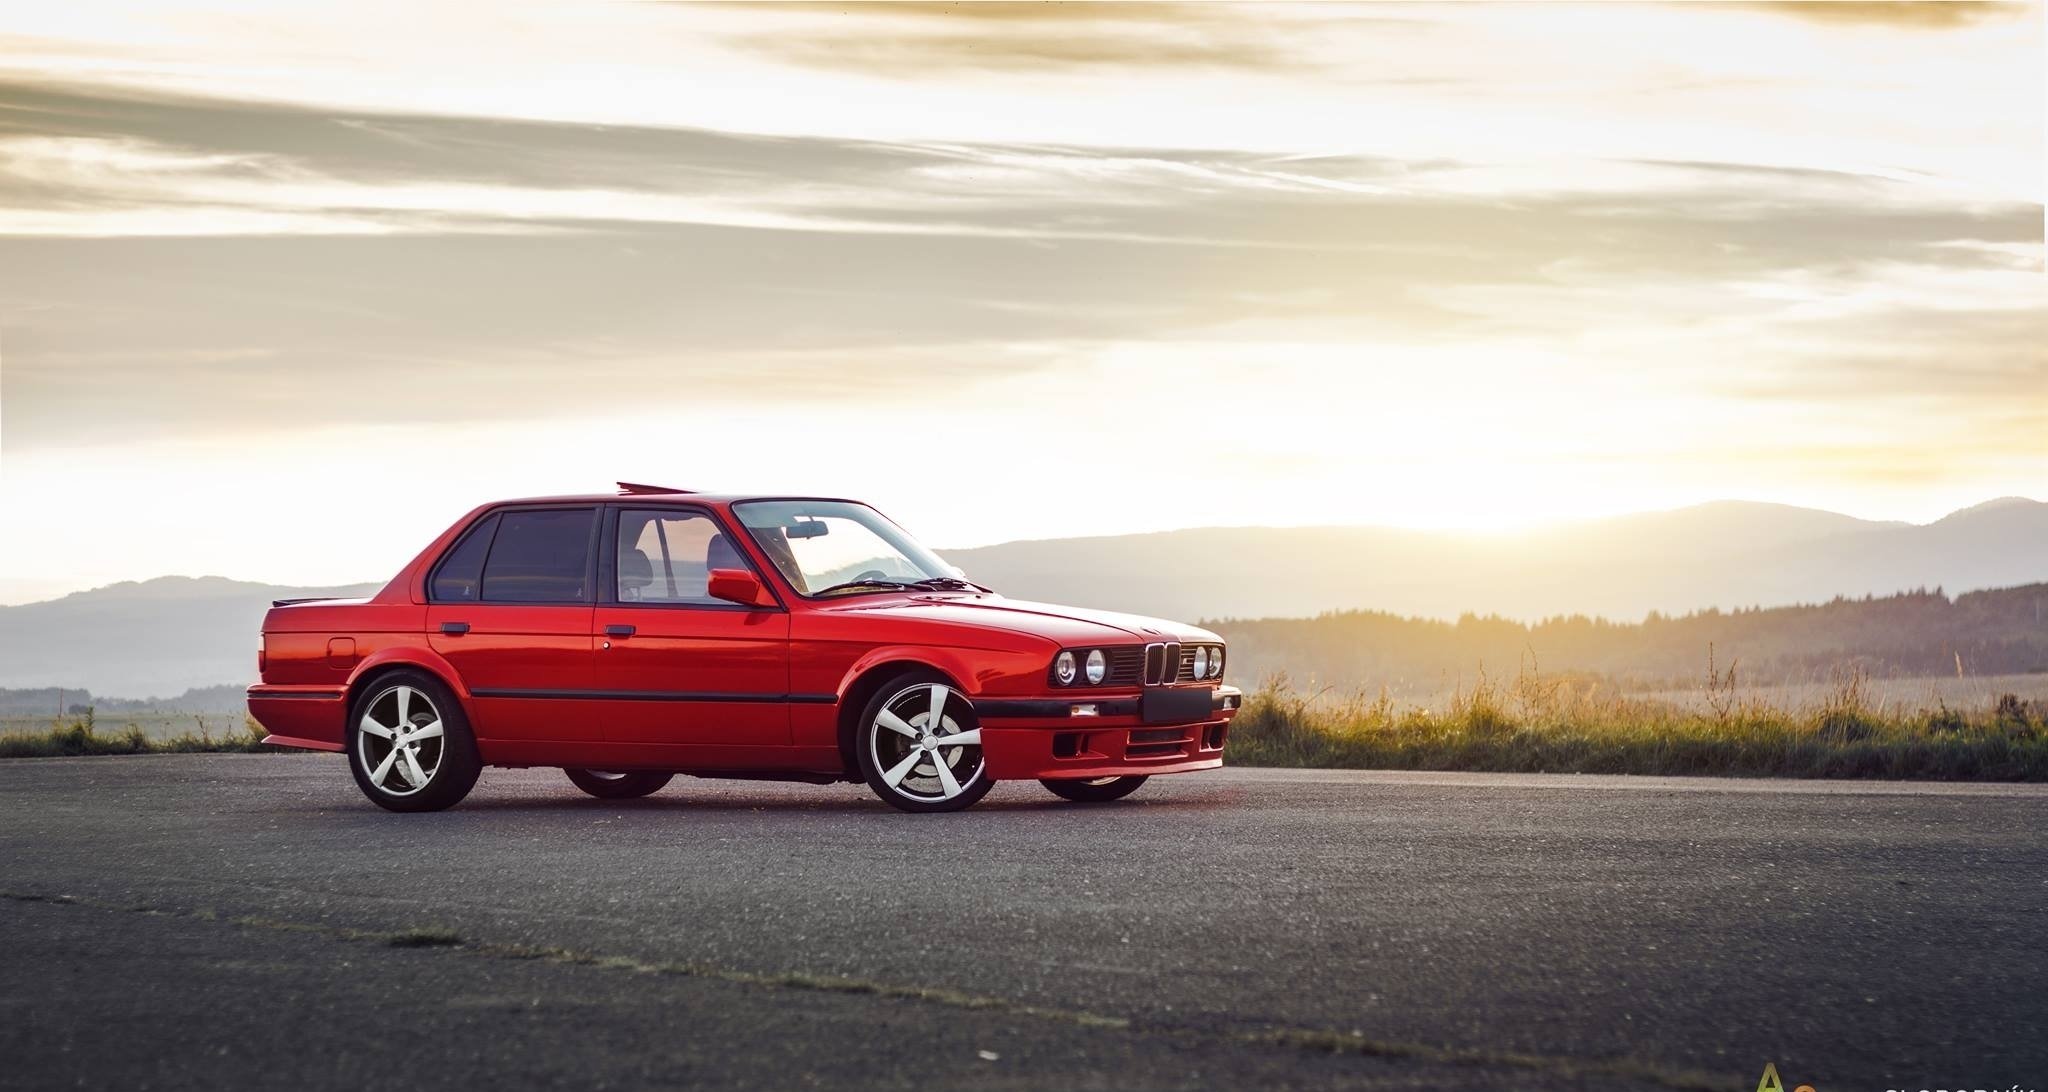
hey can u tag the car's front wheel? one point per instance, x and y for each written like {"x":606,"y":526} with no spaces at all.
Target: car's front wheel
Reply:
{"x":619,"y":784}
{"x":1094,"y":790}
{"x":409,"y":745}
{"x":919,"y":746}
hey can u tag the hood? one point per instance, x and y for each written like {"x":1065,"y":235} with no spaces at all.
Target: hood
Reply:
{"x":1066,"y":626}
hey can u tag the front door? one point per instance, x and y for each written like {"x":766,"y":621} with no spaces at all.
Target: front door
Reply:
{"x":675,"y":666}
{"x":510,"y":607}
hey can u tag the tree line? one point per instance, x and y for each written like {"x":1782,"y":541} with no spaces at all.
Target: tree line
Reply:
{"x":1917,"y":633}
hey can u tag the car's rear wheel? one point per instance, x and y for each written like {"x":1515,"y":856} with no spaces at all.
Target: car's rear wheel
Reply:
{"x":919,"y":746}
{"x":1094,"y":790}
{"x":409,"y":745}
{"x":619,"y":784}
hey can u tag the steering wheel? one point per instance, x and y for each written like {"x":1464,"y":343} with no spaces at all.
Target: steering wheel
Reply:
{"x":873,"y":574}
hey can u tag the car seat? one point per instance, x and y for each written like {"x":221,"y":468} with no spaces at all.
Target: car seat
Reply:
{"x":636,"y":571}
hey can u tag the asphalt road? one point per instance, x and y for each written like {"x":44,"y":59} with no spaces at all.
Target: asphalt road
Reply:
{"x":233,"y":921}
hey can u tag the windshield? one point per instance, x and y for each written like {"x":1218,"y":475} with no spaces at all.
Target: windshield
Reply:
{"x":841,"y":548}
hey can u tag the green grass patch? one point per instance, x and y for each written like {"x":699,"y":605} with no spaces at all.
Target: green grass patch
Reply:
{"x":80,"y":735}
{"x":1561,"y":725}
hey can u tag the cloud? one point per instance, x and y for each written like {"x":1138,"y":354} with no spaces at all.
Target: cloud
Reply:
{"x":324,"y":266}
{"x":1928,"y":14}
{"x":919,"y":40}
{"x":381,"y":147}
{"x":100,"y":162}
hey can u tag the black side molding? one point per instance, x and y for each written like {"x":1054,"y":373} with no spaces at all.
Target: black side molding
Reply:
{"x":455,"y":629}
{"x":654,"y":695}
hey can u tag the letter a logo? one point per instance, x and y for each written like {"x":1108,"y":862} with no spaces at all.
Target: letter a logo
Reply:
{"x":1770,"y":1082}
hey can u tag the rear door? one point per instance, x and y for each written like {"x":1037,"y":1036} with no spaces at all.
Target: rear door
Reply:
{"x":510,"y":607}
{"x":673,"y":665}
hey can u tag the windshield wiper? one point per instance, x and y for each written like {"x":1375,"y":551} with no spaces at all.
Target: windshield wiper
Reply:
{"x":950,"y":583}
{"x":897,"y":585}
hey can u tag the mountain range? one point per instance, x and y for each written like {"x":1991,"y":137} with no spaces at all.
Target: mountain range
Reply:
{"x":166,"y":635}
{"x":1725,"y":554}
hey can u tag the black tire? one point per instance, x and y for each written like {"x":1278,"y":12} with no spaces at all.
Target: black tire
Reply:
{"x":621,"y":784}
{"x":1094,"y":790}
{"x":449,"y":759}
{"x":880,"y":754}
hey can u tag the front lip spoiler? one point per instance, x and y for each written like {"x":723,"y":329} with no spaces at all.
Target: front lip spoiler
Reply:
{"x":1222,"y":699}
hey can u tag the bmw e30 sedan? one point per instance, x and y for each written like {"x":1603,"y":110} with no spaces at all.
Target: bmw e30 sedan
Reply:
{"x":633,"y":636}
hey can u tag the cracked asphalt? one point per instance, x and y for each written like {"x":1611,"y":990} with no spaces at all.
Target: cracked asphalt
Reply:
{"x":238,"y":920}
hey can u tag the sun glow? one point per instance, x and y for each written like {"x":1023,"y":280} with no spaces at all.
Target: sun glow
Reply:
{"x":1007,"y":273}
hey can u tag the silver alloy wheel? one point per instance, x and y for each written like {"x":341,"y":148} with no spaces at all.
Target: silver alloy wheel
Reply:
{"x":399,"y":740}
{"x":920,"y":749}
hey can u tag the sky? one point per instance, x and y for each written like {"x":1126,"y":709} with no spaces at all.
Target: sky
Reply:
{"x":284,"y":291}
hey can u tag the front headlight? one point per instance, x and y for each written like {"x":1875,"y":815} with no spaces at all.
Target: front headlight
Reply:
{"x":1063,"y":669}
{"x":1216,"y":662}
{"x":1201,"y":661}
{"x":1098,"y":667}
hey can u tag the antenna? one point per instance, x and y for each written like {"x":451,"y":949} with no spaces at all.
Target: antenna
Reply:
{"x":635,"y":489}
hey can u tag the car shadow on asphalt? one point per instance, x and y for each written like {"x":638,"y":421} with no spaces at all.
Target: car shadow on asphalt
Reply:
{"x":837,"y":804}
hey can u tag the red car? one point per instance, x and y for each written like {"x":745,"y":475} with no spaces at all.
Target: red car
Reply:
{"x":630,"y":637}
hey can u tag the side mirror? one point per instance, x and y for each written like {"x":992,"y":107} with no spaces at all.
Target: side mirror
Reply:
{"x":739,"y":586}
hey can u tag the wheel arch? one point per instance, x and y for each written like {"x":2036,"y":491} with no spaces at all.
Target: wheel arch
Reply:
{"x":387,"y":661}
{"x":871,"y":678}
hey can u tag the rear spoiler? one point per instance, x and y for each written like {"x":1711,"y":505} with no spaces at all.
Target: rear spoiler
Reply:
{"x":312,"y":599}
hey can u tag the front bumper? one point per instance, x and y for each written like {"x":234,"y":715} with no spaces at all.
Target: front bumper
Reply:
{"x":1025,"y":739}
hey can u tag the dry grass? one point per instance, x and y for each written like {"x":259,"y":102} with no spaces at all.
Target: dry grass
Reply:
{"x":1534,"y":723}
{"x":80,"y":735}
{"x":1539,"y":723}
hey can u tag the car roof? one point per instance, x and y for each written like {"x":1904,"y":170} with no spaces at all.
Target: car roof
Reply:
{"x":679,"y":497}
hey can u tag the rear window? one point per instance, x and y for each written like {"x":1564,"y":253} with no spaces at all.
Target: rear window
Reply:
{"x":462,"y":568}
{"x":541,"y":557}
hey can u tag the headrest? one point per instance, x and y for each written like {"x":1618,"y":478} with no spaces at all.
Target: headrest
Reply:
{"x":636,"y":569}
{"x":720,"y":553}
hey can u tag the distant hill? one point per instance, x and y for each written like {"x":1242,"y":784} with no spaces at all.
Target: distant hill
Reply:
{"x":1727,"y":554}
{"x":154,"y":637}
{"x":51,"y":701}
{"x":1919,"y":633}
{"x":164,"y":636}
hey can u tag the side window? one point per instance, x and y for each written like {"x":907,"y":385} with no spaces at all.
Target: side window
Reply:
{"x":667,"y":557}
{"x":540,"y":557}
{"x":462,"y":568}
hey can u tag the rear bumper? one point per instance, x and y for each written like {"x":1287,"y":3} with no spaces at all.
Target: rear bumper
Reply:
{"x":299,"y":716}
{"x":1026,"y":739}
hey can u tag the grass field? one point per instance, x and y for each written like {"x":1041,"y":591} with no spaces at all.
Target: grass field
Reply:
{"x":1535,"y":723}
{"x":1884,"y":695}
{"x":131,"y":734}
{"x":155,"y":724}
{"x":1560,"y":725}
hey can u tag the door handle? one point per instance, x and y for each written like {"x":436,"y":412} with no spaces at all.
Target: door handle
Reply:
{"x":619,"y":631}
{"x":455,"y":629}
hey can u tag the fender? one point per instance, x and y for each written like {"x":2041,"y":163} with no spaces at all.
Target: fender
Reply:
{"x":955,"y":664}
{"x":420,"y":656}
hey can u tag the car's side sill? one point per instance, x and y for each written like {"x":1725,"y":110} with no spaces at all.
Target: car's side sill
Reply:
{"x":654,"y":695}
